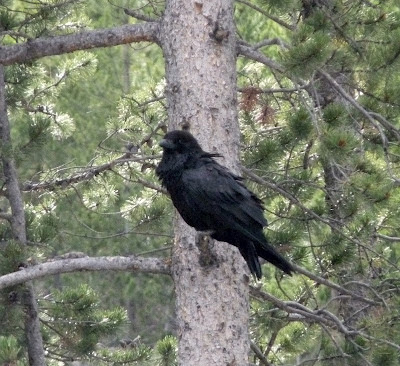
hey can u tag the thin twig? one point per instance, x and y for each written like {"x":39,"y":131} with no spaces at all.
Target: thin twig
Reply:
{"x":259,"y":354}
{"x":86,"y":174}
{"x":138,"y":15}
{"x":269,"y":16}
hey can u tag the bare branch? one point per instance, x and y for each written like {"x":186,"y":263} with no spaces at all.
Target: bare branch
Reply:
{"x":270,"y":42}
{"x":330,"y":222}
{"x":58,"y":45}
{"x":322,"y":317}
{"x":333,"y":285}
{"x":285,"y":194}
{"x":280,"y":90}
{"x":371,"y":116}
{"x":259,"y":354}
{"x":138,"y":15}
{"x":388,"y":238}
{"x":151,"y":185}
{"x":258,"y":56}
{"x":273,"y":18}
{"x":118,"y":263}
{"x":5,"y":216}
{"x":86,"y":174}
{"x":304,"y":312}
{"x":14,"y":34}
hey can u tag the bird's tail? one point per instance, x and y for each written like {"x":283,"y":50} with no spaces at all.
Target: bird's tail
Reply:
{"x":249,"y":253}
{"x":270,"y":254}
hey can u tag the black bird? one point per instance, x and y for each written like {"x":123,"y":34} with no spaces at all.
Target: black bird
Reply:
{"x":212,"y":199}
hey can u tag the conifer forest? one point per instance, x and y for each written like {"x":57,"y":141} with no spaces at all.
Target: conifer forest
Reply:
{"x":301,"y":98}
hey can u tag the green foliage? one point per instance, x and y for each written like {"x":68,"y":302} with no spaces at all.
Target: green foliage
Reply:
{"x":72,"y":114}
{"x":335,"y":115}
{"x":136,"y":355}
{"x":338,"y":143}
{"x":166,"y":348}
{"x":300,"y":124}
{"x":78,"y":322}
{"x":385,"y":356}
{"x":8,"y":20}
{"x":12,"y":256}
{"x":9,"y":351}
{"x":310,"y":50}
{"x":330,"y":174}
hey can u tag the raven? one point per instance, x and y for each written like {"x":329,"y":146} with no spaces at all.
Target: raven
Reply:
{"x":212,"y":199}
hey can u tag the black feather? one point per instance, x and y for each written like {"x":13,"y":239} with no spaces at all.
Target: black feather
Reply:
{"x":210,"y":198}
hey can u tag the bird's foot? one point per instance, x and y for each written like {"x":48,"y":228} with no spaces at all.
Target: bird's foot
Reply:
{"x":204,"y":243}
{"x":204,"y":235}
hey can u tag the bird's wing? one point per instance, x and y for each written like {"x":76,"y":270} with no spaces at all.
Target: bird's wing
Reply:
{"x":221,"y":201}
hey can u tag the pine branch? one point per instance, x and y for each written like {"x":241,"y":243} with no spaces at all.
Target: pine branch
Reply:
{"x":305,"y":313}
{"x":330,"y":222}
{"x":322,"y":317}
{"x":334,"y":286}
{"x":371,"y":116}
{"x":86,"y":174}
{"x":41,"y":47}
{"x":258,"y":56}
{"x":117,"y":263}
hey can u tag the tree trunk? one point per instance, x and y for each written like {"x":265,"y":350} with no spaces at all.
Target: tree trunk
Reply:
{"x":18,"y":227}
{"x":198,"y":41}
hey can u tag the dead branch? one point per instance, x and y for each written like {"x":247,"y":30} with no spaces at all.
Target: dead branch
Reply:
{"x":41,"y":47}
{"x":138,"y":15}
{"x":5,"y":216}
{"x":258,"y":56}
{"x":86,"y":174}
{"x":321,"y":317}
{"x":269,"y":16}
{"x":335,"y":286}
{"x":259,"y":354}
{"x":118,"y":263}
{"x":371,"y":116}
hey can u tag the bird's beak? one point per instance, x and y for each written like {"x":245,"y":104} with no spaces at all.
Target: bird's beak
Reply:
{"x":167,"y":144}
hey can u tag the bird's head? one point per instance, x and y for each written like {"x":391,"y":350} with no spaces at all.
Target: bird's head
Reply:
{"x":181,"y":142}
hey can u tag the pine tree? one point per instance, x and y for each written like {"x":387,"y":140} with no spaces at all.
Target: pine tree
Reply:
{"x":326,"y":142}
{"x":318,"y":112}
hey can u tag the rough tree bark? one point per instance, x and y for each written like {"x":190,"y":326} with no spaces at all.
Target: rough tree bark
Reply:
{"x":199,"y":45}
{"x":75,"y":264}
{"x":198,"y":41}
{"x":18,"y":227}
{"x":58,"y":45}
